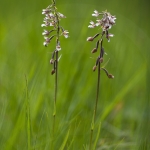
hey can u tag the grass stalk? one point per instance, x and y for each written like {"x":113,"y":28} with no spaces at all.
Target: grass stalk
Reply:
{"x":28,"y":116}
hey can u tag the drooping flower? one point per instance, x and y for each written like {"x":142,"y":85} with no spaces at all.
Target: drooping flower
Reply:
{"x":65,"y":33}
{"x":96,"y":13}
{"x":92,"y":24}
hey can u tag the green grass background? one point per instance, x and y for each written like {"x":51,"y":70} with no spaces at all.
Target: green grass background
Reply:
{"x":123,"y":107}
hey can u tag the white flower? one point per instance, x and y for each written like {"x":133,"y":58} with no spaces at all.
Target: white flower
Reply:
{"x":52,"y":23}
{"x":45,"y":32}
{"x":96,"y":13}
{"x":65,"y":33}
{"x":92,"y":22}
{"x":97,"y":24}
{"x":58,"y":48}
{"x":45,"y":11}
{"x":91,"y":26}
{"x":61,"y":15}
{"x":112,"y":20}
{"x":47,"y":41}
{"x":51,"y":15}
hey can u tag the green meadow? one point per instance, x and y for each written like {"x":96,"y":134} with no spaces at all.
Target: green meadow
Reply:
{"x":27,"y":86}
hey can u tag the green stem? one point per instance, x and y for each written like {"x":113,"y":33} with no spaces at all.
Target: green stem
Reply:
{"x":91,"y":137}
{"x":97,"y":96}
{"x":56,"y":74}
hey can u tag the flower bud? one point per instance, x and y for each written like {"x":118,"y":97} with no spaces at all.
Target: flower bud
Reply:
{"x":51,"y":61}
{"x":53,"y":71}
{"x":94,"y":50}
{"x":110,"y":76}
{"x":101,"y":60}
{"x":90,"y":39}
{"x":94,"y":68}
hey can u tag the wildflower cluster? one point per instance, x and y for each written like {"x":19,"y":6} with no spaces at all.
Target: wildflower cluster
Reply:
{"x":106,"y":22}
{"x":52,"y":19}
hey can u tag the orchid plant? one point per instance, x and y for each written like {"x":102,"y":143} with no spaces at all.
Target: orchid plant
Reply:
{"x":52,"y":23}
{"x":104,"y":20}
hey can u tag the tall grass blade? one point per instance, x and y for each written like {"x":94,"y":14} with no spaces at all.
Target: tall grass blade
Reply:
{"x":65,"y":141}
{"x":134,"y":80}
{"x":28,"y":125}
{"x":97,"y":136}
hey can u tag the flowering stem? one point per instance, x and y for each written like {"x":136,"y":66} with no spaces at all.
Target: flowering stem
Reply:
{"x":56,"y":73}
{"x":106,"y":22}
{"x":97,"y":94}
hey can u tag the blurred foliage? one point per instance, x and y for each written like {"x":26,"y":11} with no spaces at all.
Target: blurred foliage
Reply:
{"x":123,"y":108}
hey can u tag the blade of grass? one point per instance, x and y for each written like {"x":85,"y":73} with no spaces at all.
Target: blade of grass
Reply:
{"x":65,"y":141}
{"x":96,"y":140}
{"x":134,"y":80}
{"x":19,"y":125}
{"x":28,"y":116}
{"x":69,"y":147}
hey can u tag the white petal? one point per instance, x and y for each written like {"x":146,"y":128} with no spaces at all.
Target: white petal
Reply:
{"x":94,"y":15}
{"x":96,"y":12}
{"x":66,"y":35}
{"x":92,"y":22}
{"x":43,"y":25}
{"x":58,"y":48}
{"x":45,"y":44}
{"x":110,"y":35}
{"x":91,"y":26}
{"x":97,"y":24}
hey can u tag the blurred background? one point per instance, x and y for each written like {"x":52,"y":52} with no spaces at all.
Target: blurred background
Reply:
{"x":123,"y":107}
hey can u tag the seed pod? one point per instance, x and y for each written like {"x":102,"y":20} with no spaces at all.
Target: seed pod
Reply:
{"x":101,"y":60}
{"x":53,"y":71}
{"x":51,"y":61}
{"x":94,"y":50}
{"x":94,"y":68}
{"x":90,"y":39}
{"x":110,"y":76}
